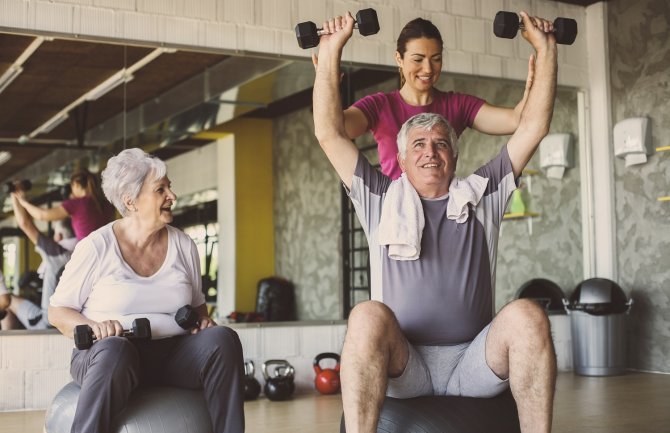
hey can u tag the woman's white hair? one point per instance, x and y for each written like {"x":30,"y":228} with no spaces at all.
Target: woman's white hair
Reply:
{"x":426,"y":121}
{"x":125,"y":174}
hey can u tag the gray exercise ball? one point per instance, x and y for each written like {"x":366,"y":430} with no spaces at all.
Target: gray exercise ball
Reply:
{"x":152,"y":409}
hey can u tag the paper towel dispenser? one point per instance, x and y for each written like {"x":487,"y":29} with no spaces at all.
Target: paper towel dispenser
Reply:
{"x":556,"y":155}
{"x":632,"y":140}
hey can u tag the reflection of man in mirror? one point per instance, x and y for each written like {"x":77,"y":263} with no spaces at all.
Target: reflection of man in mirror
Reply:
{"x":5,"y":299}
{"x":55,"y":254}
{"x":429,"y":329}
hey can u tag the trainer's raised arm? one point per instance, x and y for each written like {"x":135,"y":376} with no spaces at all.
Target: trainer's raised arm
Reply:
{"x":537,"y":113}
{"x":328,"y":116}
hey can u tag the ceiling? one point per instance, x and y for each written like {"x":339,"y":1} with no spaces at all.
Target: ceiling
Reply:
{"x":176,"y":101}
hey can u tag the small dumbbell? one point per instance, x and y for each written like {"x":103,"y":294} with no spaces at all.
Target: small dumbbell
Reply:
{"x":308,"y":35}
{"x":186,"y":317}
{"x":507,"y":24}
{"x":23,"y":185}
{"x":84,"y":337}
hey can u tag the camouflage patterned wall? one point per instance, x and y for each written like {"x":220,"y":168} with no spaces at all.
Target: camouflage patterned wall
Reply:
{"x":639,"y":48}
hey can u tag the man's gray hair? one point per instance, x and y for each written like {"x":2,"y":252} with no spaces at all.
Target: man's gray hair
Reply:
{"x":125,"y":174}
{"x":426,"y":121}
{"x":63,"y":227}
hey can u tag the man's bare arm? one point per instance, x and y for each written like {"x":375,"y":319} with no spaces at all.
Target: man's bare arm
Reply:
{"x":328,"y":117}
{"x":537,"y":113}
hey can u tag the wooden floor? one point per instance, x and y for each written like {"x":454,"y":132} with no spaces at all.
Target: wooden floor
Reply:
{"x":633,"y":403}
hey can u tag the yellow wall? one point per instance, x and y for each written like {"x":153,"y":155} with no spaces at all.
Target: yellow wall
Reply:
{"x":255,"y":249}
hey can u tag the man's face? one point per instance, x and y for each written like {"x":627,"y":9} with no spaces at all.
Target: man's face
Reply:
{"x":429,"y":161}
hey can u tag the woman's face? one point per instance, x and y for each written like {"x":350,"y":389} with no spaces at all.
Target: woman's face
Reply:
{"x":155,"y":201}
{"x":421,"y":64}
{"x":77,"y":190}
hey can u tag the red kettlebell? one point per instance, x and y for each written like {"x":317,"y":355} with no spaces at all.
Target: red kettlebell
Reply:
{"x":327,"y":380}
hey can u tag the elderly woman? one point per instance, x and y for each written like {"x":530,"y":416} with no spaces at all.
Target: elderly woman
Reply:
{"x":140,"y":266}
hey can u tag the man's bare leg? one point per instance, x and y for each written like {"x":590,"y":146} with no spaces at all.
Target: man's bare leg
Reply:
{"x":374,"y":350}
{"x":519,"y":346}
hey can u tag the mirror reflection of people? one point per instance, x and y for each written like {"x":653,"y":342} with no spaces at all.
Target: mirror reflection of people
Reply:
{"x":86,"y":206}
{"x":55,"y":253}
{"x":429,"y":328}
{"x":5,"y":300}
{"x":419,"y":56}
{"x":141,"y":267}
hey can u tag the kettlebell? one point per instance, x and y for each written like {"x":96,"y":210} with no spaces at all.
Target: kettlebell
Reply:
{"x":280,"y":386}
{"x":327,"y":381}
{"x":252,"y":388}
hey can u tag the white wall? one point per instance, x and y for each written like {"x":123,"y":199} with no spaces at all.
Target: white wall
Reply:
{"x":33,"y":367}
{"x":266,"y":27}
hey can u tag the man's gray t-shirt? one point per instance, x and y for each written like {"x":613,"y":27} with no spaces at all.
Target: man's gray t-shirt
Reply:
{"x":444,"y":297}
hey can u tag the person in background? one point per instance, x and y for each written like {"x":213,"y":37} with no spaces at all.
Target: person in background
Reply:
{"x":5,"y":300}
{"x":86,"y":206}
{"x":55,"y":253}
{"x":140,"y":266}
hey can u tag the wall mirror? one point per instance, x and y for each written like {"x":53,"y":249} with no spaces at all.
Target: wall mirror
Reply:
{"x":255,"y":190}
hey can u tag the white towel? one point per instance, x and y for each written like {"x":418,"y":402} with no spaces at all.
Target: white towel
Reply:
{"x":463,"y":192}
{"x":402,"y":221}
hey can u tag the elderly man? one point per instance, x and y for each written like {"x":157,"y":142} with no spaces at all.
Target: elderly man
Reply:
{"x":429,"y":329}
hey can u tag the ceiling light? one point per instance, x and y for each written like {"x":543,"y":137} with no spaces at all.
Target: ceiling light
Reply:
{"x":4,"y":156}
{"x":15,"y":69}
{"x":51,"y":124}
{"x":109,"y":84}
{"x":10,"y":75}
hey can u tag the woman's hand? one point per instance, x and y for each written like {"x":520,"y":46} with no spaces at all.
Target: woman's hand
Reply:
{"x":107,"y":328}
{"x":204,"y":322}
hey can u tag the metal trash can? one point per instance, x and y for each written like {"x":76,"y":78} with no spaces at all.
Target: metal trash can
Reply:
{"x":598,"y":312}
{"x":545,"y":292}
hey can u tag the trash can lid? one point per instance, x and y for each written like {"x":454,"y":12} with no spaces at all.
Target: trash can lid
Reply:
{"x":544,"y":291}
{"x":599,"y":296}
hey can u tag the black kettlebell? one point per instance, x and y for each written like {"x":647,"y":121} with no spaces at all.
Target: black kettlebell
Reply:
{"x":280,"y":386}
{"x":252,"y":388}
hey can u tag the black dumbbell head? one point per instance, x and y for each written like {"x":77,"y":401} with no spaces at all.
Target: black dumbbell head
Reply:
{"x":24,"y":185}
{"x":83,"y":337}
{"x":565,"y":30}
{"x":367,"y":21}
{"x":142,"y":329}
{"x":186,"y":317}
{"x":506,"y":24}
{"x":307,"y":34}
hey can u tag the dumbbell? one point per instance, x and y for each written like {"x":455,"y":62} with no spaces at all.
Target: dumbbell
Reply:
{"x":308,"y":35}
{"x":327,"y":380}
{"x":281,"y":386}
{"x":84,"y":337}
{"x":507,"y":24}
{"x":187,"y":318}
{"x":23,"y":185}
{"x":251,"y":386}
